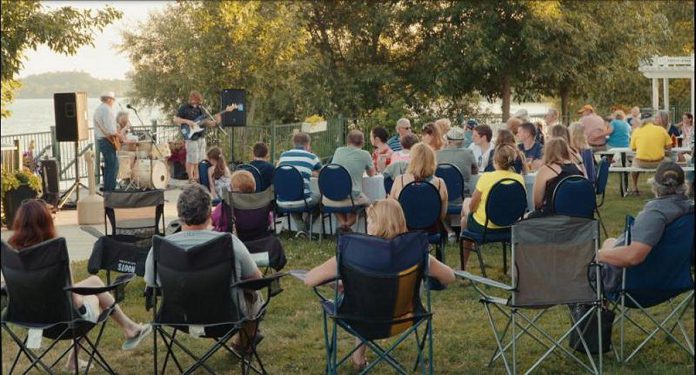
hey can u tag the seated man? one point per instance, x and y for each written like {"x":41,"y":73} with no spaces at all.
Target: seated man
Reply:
{"x":302,"y":159}
{"x":453,"y":153}
{"x":356,"y":161}
{"x":261,"y":163}
{"x":670,"y":204}
{"x":193,"y":208}
{"x":533,"y":150}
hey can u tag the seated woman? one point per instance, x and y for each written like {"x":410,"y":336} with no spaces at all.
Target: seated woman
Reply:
{"x":560,"y":131}
{"x":385,"y":219}
{"x":474,"y":208}
{"x":381,"y":155}
{"x":432,"y":137}
{"x":505,"y":137}
{"x":219,"y":175}
{"x":557,"y":166}
{"x":33,"y":224}
{"x":407,"y":141}
{"x":422,"y":168}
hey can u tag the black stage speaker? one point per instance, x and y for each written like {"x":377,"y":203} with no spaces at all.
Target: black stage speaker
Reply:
{"x":238,"y":116}
{"x":71,"y":116}
{"x":49,"y":178}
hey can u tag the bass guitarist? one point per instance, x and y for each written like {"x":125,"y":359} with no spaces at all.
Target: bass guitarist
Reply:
{"x":107,"y":138}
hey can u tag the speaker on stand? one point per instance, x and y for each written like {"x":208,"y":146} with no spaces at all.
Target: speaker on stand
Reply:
{"x":71,"y":126}
{"x":236,"y":118}
{"x":50,"y":181}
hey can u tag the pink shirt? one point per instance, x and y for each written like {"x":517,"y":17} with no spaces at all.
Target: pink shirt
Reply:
{"x":400,"y":156}
{"x":594,"y":129}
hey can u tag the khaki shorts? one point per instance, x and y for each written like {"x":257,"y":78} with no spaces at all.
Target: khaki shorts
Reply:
{"x":646,"y":164}
{"x":195,"y":150}
{"x":361,"y":200}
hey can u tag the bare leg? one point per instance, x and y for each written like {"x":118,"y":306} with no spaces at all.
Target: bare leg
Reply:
{"x":634,"y":177}
{"x":350,"y":219}
{"x":358,"y":357}
{"x":467,"y":245}
{"x":341,"y":218}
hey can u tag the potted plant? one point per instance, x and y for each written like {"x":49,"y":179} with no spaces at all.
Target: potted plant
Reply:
{"x":18,"y":186}
{"x":314,"y":124}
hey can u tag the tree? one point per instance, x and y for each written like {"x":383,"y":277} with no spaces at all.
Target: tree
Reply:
{"x":27,"y":24}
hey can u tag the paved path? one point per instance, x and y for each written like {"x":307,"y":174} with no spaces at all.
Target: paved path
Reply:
{"x":79,"y":242}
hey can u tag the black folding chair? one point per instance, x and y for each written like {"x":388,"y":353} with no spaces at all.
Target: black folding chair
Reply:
{"x":39,"y":291}
{"x":201,"y":295}
{"x":134,"y":213}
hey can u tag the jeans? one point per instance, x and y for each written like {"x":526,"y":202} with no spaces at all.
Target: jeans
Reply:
{"x":110,"y":164}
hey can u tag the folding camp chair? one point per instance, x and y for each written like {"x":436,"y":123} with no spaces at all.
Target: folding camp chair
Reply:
{"x":420,"y":201}
{"x":335,"y":184}
{"x":505,"y":205}
{"x":39,"y":290}
{"x":117,"y":253}
{"x":456,"y":189}
{"x":381,"y":298}
{"x":254,"y":172}
{"x":288,"y":187}
{"x":134,"y":213}
{"x":201,"y":295}
{"x":552,"y":257}
{"x":664,"y":275}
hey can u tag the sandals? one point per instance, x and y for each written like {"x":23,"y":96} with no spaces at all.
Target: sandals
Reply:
{"x":133,"y":342}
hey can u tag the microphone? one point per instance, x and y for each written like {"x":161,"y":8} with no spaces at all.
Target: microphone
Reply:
{"x":131,"y":107}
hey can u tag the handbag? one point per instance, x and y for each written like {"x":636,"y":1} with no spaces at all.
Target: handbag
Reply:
{"x":588,"y":329}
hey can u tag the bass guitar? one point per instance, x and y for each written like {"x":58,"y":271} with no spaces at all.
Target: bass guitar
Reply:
{"x":195,"y":131}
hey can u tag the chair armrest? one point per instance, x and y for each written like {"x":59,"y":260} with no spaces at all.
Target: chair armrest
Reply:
{"x":118,"y":287}
{"x":483,"y":280}
{"x":150,"y":293}
{"x":258,"y":284}
{"x":332,"y":283}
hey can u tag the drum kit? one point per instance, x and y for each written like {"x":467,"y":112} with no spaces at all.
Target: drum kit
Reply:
{"x":143,"y":165}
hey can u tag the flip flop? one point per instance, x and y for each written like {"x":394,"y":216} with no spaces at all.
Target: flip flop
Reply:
{"x":133,"y":342}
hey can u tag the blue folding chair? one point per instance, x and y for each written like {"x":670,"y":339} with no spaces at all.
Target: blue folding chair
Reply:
{"x":420,"y":201}
{"x":601,"y":188}
{"x":588,"y":162}
{"x":574,"y":196}
{"x":388,"y":183}
{"x":335,"y":184}
{"x":505,"y":205}
{"x":203,"y":173}
{"x":254,"y":172}
{"x":381,"y":298}
{"x":289,"y":194}
{"x":664,"y":275}
{"x":456,"y":189}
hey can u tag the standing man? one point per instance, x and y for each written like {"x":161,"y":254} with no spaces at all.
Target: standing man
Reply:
{"x":105,"y":131}
{"x":594,"y":128}
{"x":403,"y":127}
{"x":195,"y":142}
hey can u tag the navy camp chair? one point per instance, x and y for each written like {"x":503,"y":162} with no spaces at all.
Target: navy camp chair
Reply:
{"x":505,"y":205}
{"x":456,"y":189}
{"x":289,"y":195}
{"x":420,"y":201}
{"x":254,"y":172}
{"x":335,"y":184}
{"x":574,"y":196}
{"x":664,"y":275}
{"x":381,"y":298}
{"x":601,"y":187}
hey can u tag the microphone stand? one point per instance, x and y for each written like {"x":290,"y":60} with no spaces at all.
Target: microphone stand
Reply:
{"x":213,"y":118}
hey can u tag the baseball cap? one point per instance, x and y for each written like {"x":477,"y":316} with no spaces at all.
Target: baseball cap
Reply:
{"x":586,"y":107}
{"x":521,"y":113}
{"x":455,"y":134}
{"x":471,"y":123}
{"x":646,"y":115}
{"x":108,"y":94}
{"x":669,"y":173}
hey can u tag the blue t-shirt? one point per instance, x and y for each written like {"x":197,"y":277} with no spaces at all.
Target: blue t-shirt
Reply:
{"x":621,"y":136}
{"x":266,"y":170}
{"x":534,"y":153}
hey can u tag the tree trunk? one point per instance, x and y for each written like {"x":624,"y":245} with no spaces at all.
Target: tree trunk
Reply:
{"x":565,"y":98}
{"x":506,"y":96}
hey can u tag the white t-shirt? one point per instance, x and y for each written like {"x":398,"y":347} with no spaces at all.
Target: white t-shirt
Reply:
{"x":481,"y":157}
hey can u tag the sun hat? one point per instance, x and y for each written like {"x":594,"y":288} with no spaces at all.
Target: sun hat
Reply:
{"x":455,"y":134}
{"x":522,"y":114}
{"x":108,"y":94}
{"x":586,"y":107}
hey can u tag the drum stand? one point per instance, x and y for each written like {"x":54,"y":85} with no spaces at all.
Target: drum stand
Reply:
{"x":75,"y":187}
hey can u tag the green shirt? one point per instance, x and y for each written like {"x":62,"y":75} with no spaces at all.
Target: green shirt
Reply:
{"x":356,"y":162}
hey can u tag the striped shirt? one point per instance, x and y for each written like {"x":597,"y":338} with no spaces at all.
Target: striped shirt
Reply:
{"x":304,"y":161}
{"x":394,"y":143}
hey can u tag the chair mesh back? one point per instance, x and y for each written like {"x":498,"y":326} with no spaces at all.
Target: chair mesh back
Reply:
{"x":288,"y":184}
{"x":35,"y":278}
{"x":506,"y":202}
{"x":666,"y":271}
{"x":574,"y":196}
{"x":135,"y":213}
{"x":119,"y":253}
{"x":551,"y":256}
{"x":589,"y":164}
{"x":381,"y":281}
{"x":454,"y":180}
{"x":254,"y":172}
{"x":335,"y":182}
{"x":602,"y":176}
{"x":196,"y":282}
{"x":250,"y":212}
{"x":420,"y":201}
{"x":203,"y":167}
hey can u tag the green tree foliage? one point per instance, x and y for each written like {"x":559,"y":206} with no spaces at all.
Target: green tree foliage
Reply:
{"x":45,"y":84}
{"x":27,"y":24}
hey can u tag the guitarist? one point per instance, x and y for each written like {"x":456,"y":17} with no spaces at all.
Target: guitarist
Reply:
{"x":194,"y":138}
{"x":106,"y":128}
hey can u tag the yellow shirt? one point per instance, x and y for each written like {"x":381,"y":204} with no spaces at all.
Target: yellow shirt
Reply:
{"x":484,"y":185}
{"x":650,"y":141}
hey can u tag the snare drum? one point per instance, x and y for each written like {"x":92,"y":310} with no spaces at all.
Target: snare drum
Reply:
{"x":146,"y":178}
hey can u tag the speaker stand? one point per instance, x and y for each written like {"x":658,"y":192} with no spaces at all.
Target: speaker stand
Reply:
{"x":75,"y":187}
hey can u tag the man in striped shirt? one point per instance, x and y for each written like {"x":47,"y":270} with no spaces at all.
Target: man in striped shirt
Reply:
{"x":403,"y":127}
{"x":308,"y":164}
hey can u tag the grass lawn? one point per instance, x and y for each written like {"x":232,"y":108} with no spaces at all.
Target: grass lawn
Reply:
{"x":463,"y":342}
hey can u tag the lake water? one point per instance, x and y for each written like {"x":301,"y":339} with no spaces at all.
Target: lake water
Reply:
{"x":37,"y":115}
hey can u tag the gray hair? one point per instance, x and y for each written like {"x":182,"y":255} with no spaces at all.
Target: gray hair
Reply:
{"x":663,"y":190}
{"x":403,"y":122}
{"x":664,"y":117}
{"x":193,"y":205}
{"x":552,"y":112}
{"x":455,"y":143}
{"x":121,"y":114}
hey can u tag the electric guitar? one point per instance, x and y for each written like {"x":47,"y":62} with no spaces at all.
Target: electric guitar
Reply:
{"x":195,"y":131}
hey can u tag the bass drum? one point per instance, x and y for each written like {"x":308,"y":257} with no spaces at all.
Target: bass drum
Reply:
{"x":158,"y":179}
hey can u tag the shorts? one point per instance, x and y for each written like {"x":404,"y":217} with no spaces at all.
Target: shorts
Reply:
{"x":473,"y":226}
{"x":646,"y":164}
{"x":361,"y":200}
{"x":195,"y":150}
{"x":597,"y":148}
{"x":89,"y":314}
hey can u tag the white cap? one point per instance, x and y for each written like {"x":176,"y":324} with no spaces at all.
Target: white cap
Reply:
{"x":108,"y":94}
{"x":521,"y":113}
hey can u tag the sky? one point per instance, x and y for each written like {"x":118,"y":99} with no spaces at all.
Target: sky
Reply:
{"x":102,"y":61}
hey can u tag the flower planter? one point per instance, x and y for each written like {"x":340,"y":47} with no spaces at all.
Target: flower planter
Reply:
{"x":13,"y":199}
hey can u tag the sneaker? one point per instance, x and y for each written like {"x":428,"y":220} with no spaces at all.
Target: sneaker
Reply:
{"x":301,"y":234}
{"x":451,"y":237}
